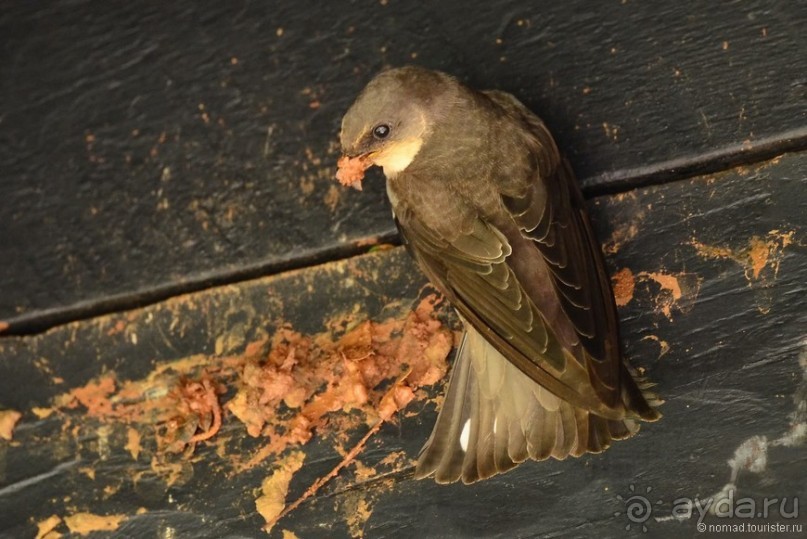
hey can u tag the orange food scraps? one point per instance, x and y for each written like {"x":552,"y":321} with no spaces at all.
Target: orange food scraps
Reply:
{"x":350,"y":170}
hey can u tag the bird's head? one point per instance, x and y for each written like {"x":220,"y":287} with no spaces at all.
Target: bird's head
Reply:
{"x":393,"y":116}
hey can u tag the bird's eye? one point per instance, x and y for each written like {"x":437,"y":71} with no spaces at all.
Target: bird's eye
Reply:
{"x":381,"y":131}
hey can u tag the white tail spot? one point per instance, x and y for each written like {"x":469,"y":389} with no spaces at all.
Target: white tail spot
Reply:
{"x":465,"y":435}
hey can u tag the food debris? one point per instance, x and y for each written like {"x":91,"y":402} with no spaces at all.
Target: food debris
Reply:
{"x":664,"y":346}
{"x":350,"y":170}
{"x":759,"y":254}
{"x":8,"y":419}
{"x":274,"y":488}
{"x":133,"y":442}
{"x":42,"y":412}
{"x":284,"y":395}
{"x":315,"y":376}
{"x":86,"y":523}
{"x":197,"y":409}
{"x":332,"y":198}
{"x":46,"y":528}
{"x":363,"y":472}
{"x":391,"y":404}
{"x":94,"y":396}
{"x":632,"y":215}
{"x":358,"y":511}
{"x":286,"y":388}
{"x":623,"y":285}
{"x":678,"y":290}
{"x":760,"y":259}
{"x":756,"y":256}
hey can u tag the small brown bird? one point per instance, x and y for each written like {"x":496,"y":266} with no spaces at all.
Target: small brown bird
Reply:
{"x":494,"y":217}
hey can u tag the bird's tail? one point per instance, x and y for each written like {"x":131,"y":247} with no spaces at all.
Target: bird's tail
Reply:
{"x":494,"y":417}
{"x":638,"y":396}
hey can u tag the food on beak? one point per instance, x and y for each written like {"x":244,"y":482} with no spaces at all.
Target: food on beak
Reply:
{"x":350,"y":171}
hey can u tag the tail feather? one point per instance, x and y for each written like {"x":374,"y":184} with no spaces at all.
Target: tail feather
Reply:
{"x":638,"y":398}
{"x":494,"y":418}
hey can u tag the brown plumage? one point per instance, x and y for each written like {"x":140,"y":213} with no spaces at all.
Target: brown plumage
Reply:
{"x":493,"y":216}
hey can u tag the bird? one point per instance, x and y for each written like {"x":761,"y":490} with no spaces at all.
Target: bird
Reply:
{"x":494,"y":217}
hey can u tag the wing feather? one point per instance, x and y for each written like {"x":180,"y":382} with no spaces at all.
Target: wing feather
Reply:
{"x":566,"y":241}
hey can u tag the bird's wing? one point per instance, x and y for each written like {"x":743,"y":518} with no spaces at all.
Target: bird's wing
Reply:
{"x":495,"y":415}
{"x":473,"y":270}
{"x":549,"y":210}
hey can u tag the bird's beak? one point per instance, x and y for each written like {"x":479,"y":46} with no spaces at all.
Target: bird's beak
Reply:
{"x":367,"y":156}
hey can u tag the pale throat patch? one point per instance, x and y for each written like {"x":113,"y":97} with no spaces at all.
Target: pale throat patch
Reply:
{"x":397,"y":157}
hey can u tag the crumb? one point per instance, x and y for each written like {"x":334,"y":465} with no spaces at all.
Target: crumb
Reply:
{"x":274,"y":488}
{"x":350,"y":171}
{"x":87,"y":523}
{"x":197,"y":408}
{"x":8,"y":418}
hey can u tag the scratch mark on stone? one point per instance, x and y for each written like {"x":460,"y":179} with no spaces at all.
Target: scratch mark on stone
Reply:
{"x":25,"y":483}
